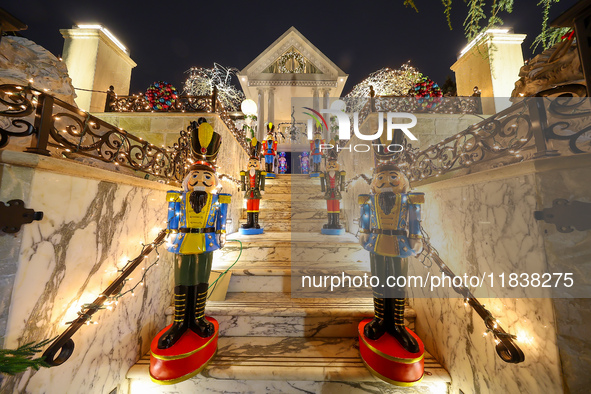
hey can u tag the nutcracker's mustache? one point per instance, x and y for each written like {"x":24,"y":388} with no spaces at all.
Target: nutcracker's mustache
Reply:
{"x":198,"y":199}
{"x":386,"y":201}
{"x":199,"y":187}
{"x":390,"y":183}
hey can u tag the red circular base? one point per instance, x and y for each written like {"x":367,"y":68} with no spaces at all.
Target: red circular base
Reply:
{"x":389,"y":361}
{"x":184,"y":359}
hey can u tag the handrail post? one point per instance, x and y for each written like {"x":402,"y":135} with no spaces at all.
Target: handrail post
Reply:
{"x":214,"y":98}
{"x":539,"y":124}
{"x":43,"y":124}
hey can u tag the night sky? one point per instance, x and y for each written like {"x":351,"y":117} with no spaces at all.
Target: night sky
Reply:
{"x":167,"y":39}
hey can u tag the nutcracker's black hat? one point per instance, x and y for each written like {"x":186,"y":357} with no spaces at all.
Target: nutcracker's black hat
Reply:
{"x":205,"y":145}
{"x":332,"y":155}
{"x":255,"y":149}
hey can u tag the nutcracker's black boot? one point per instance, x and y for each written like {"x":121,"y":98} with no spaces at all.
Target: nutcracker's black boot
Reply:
{"x":329,"y":224}
{"x":377,"y":327}
{"x":270,"y":168}
{"x":335,"y":221}
{"x":200,"y":325}
{"x":256,"y":220}
{"x":249,"y":220}
{"x":183,"y":301}
{"x":395,"y":325}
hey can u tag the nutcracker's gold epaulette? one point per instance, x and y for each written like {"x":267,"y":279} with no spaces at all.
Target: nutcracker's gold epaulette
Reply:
{"x":263,"y":173}
{"x":322,"y":175}
{"x":343,"y":173}
{"x":224,"y":198}
{"x":172,"y":196}
{"x":242,"y":173}
{"x":416,"y":198}
{"x":363,"y":199}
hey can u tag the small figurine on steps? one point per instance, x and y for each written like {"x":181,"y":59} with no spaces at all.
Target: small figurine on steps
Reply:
{"x":282,"y":163}
{"x":253,"y":184}
{"x":270,"y":150}
{"x":332,"y":183}
{"x":197,"y":226}
{"x":316,"y":152}
{"x":389,"y":229}
{"x":304,"y":162}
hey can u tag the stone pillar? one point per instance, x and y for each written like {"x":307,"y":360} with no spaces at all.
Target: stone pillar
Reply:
{"x":95,"y":61}
{"x":261,"y":115}
{"x":316,"y":99}
{"x":325,"y":105}
{"x":271,"y":105}
{"x":492,"y":62}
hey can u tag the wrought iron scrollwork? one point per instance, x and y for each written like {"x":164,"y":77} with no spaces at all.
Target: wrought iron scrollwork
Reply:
{"x":16,"y":102}
{"x":570,"y":121}
{"x":507,"y":134}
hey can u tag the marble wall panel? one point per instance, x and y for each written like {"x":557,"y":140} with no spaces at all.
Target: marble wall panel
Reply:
{"x":90,"y":228}
{"x":488,"y":227}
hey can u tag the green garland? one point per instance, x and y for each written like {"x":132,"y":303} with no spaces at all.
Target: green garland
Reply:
{"x":16,"y":361}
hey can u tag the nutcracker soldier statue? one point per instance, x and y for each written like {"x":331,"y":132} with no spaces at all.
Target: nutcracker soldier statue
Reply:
{"x":253,"y":184}
{"x":390,"y":231}
{"x":304,"y":162}
{"x":196,"y":226}
{"x":316,"y":152}
{"x":270,"y":150}
{"x":282,"y":163}
{"x":332,"y":183}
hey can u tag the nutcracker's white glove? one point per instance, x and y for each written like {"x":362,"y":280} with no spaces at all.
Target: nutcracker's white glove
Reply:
{"x":416,"y":244}
{"x":221,"y":240}
{"x":363,"y":238}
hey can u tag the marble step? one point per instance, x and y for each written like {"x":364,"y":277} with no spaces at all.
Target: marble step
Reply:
{"x":277,"y":314}
{"x":300,"y":195}
{"x":286,"y":365}
{"x":294,"y":225}
{"x":273,"y":314}
{"x":303,"y":180}
{"x":299,"y":248}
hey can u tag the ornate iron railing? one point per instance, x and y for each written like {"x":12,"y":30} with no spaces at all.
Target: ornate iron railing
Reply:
{"x":199,"y":104}
{"x":531,"y":128}
{"x":139,"y":103}
{"x":60,"y":129}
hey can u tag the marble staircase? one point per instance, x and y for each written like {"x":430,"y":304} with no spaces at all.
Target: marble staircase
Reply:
{"x":273,"y":340}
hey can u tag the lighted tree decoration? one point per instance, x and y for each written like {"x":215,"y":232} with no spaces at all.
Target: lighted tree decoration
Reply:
{"x":202,"y":80}
{"x":385,"y":82}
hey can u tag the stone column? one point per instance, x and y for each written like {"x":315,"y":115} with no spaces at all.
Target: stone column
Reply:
{"x":261,"y":115}
{"x":326,"y":105}
{"x":271,"y":105}
{"x":316,"y":100}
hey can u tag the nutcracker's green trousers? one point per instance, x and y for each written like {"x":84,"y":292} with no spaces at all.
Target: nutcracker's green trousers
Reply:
{"x":384,"y":267}
{"x":192,"y":269}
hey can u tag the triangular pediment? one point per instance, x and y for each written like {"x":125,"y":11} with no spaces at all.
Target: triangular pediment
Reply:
{"x":292,"y":62}
{"x":286,"y":54}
